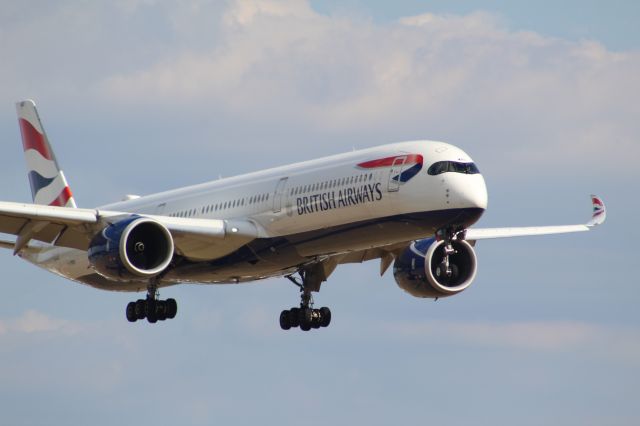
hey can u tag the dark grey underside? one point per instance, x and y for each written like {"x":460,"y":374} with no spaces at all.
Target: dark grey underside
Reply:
{"x":267,"y":257}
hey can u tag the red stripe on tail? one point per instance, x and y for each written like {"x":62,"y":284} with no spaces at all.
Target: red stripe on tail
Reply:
{"x":62,"y":199}
{"x":32,"y":139}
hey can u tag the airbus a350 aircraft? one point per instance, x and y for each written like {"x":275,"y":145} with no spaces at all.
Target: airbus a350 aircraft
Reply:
{"x":409,"y":204}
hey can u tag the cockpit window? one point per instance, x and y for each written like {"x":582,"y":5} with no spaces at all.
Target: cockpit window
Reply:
{"x":453,"y":166}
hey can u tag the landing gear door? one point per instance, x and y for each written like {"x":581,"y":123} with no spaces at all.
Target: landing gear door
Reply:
{"x":279,"y":195}
{"x":395,"y":172}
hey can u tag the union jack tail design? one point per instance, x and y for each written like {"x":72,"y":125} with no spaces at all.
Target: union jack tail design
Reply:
{"x":599,"y":211}
{"x":48,"y":184}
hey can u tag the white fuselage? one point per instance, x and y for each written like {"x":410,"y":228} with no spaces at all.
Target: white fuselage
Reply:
{"x":323,"y":207}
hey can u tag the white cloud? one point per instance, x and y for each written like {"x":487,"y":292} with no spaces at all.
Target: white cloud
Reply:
{"x":34,"y":322}
{"x":620,"y":343}
{"x":463,"y":77}
{"x":511,"y":98}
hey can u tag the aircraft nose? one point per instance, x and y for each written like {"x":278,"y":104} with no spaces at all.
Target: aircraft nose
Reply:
{"x":471,"y":192}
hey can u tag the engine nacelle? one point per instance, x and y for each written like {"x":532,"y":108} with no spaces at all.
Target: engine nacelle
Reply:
{"x":133,"y":249}
{"x":417,"y":271}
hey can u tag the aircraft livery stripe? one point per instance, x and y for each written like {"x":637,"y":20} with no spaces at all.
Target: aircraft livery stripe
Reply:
{"x":406,"y":175}
{"x":38,"y":182}
{"x":62,"y":199}
{"x":388,"y":161}
{"x":32,"y":139}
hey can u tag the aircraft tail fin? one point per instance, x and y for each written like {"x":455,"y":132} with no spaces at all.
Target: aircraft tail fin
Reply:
{"x":48,"y":183}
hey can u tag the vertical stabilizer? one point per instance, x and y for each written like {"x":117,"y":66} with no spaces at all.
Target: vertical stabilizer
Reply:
{"x":48,"y":184}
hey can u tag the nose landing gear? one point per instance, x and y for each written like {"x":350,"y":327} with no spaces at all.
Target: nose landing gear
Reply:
{"x":447,"y":271}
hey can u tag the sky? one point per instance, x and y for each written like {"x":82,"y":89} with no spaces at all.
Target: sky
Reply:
{"x":139,"y":96}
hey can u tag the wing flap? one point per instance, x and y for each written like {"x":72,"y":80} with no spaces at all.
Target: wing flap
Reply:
{"x":12,"y":225}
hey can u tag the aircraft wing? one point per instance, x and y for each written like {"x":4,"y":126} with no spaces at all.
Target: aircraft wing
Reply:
{"x":74,"y":228}
{"x":599,"y":215}
{"x":387,"y":254}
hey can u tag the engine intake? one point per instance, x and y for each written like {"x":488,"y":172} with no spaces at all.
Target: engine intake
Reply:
{"x":135,"y":248}
{"x":419,"y":271}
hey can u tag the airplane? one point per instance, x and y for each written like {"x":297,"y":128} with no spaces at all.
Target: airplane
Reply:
{"x":408,"y":204}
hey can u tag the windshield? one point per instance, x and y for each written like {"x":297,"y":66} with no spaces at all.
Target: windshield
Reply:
{"x":453,"y":166}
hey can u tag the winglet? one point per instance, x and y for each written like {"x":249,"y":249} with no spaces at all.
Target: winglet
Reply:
{"x":599,"y":211}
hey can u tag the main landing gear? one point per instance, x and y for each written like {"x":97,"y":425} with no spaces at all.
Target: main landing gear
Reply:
{"x":305,"y":317}
{"x":151,"y":308}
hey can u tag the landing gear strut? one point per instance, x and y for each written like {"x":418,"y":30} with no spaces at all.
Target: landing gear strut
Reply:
{"x":305,"y":317}
{"x":152,"y":308}
{"x":446,"y":270}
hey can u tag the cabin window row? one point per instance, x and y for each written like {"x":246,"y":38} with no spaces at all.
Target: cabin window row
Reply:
{"x":333,"y":183}
{"x":223,"y":205}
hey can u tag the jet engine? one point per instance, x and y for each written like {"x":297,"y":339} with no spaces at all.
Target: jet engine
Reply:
{"x":133,"y":249}
{"x":420,"y":270}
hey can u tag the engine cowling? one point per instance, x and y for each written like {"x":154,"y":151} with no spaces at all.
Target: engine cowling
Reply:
{"x":136,"y":248}
{"x":417,"y":270}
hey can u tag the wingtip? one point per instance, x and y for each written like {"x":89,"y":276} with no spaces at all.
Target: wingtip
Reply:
{"x":599,"y":214}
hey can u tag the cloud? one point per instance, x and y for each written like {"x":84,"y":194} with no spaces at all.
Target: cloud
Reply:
{"x":465,"y":77}
{"x":34,"y":322}
{"x":620,"y":343}
{"x":207,"y":69}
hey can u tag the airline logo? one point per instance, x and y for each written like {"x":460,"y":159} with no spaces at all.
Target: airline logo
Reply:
{"x":407,"y":166}
{"x":48,"y":184}
{"x":598,"y":206}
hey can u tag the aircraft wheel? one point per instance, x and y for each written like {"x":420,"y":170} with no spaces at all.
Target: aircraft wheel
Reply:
{"x":294,"y":317}
{"x":161,"y":310}
{"x":304,"y":325}
{"x":172,"y":308}
{"x":284,"y":320}
{"x":325,"y":316}
{"x":131,"y":312}
{"x":152,"y":315}
{"x":141,"y":309}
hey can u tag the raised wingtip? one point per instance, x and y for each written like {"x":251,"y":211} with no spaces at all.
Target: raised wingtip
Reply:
{"x":599,"y":211}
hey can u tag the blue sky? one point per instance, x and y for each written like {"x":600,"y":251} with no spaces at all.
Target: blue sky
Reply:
{"x":141,"y":96}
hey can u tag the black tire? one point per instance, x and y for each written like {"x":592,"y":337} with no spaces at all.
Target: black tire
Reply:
{"x":141,"y":309}
{"x":306,"y":315}
{"x":306,"y":319}
{"x":455,"y":273}
{"x":294,"y":317}
{"x":152,"y":315}
{"x":284,"y":320}
{"x":443,"y":278}
{"x":131,"y":312}
{"x":439,"y":271}
{"x":161,"y":310}
{"x":172,"y":308}
{"x":325,"y":316}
